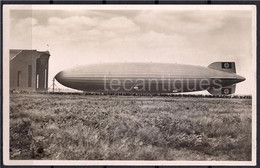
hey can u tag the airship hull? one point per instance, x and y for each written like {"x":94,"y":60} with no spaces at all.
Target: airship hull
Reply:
{"x":145,"y":78}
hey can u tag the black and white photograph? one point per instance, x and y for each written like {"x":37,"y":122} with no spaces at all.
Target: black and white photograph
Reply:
{"x":129,"y":84}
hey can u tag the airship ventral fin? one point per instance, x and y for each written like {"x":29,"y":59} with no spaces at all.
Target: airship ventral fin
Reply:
{"x":226,"y":90}
{"x":224,"y":66}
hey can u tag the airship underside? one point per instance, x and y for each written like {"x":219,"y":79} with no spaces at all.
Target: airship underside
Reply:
{"x":218,"y":78}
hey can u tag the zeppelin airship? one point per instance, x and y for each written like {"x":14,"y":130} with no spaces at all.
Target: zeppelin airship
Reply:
{"x":219,"y":78}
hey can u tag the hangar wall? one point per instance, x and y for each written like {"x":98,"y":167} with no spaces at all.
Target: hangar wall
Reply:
{"x":29,"y":70}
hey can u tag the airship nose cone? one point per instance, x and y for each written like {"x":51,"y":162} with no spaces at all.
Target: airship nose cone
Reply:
{"x":59,"y":77}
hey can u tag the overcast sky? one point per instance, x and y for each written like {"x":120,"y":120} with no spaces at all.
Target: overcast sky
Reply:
{"x":188,"y":36}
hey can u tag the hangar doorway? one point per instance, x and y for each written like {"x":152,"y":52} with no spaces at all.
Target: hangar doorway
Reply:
{"x":42,"y":73}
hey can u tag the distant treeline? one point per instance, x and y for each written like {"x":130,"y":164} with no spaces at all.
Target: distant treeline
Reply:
{"x":143,"y":94}
{"x":157,"y":94}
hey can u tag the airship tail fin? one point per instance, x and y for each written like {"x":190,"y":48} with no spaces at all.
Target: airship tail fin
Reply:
{"x":224,"y":66}
{"x":226,"y":90}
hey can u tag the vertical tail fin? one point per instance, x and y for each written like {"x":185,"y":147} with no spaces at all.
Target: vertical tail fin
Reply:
{"x":224,"y":66}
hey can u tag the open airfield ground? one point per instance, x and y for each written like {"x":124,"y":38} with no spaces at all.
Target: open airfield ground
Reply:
{"x":92,"y":127}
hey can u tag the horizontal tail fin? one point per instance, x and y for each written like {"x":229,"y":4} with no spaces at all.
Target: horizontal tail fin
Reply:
{"x":224,"y":66}
{"x":226,"y":90}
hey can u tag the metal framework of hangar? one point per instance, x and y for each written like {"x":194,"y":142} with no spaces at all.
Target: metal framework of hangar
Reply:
{"x":29,"y":70}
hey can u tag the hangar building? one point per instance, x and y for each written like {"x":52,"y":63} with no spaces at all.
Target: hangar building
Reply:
{"x":29,"y":70}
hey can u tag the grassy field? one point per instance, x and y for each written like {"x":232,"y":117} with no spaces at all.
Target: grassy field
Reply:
{"x":45,"y":126}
